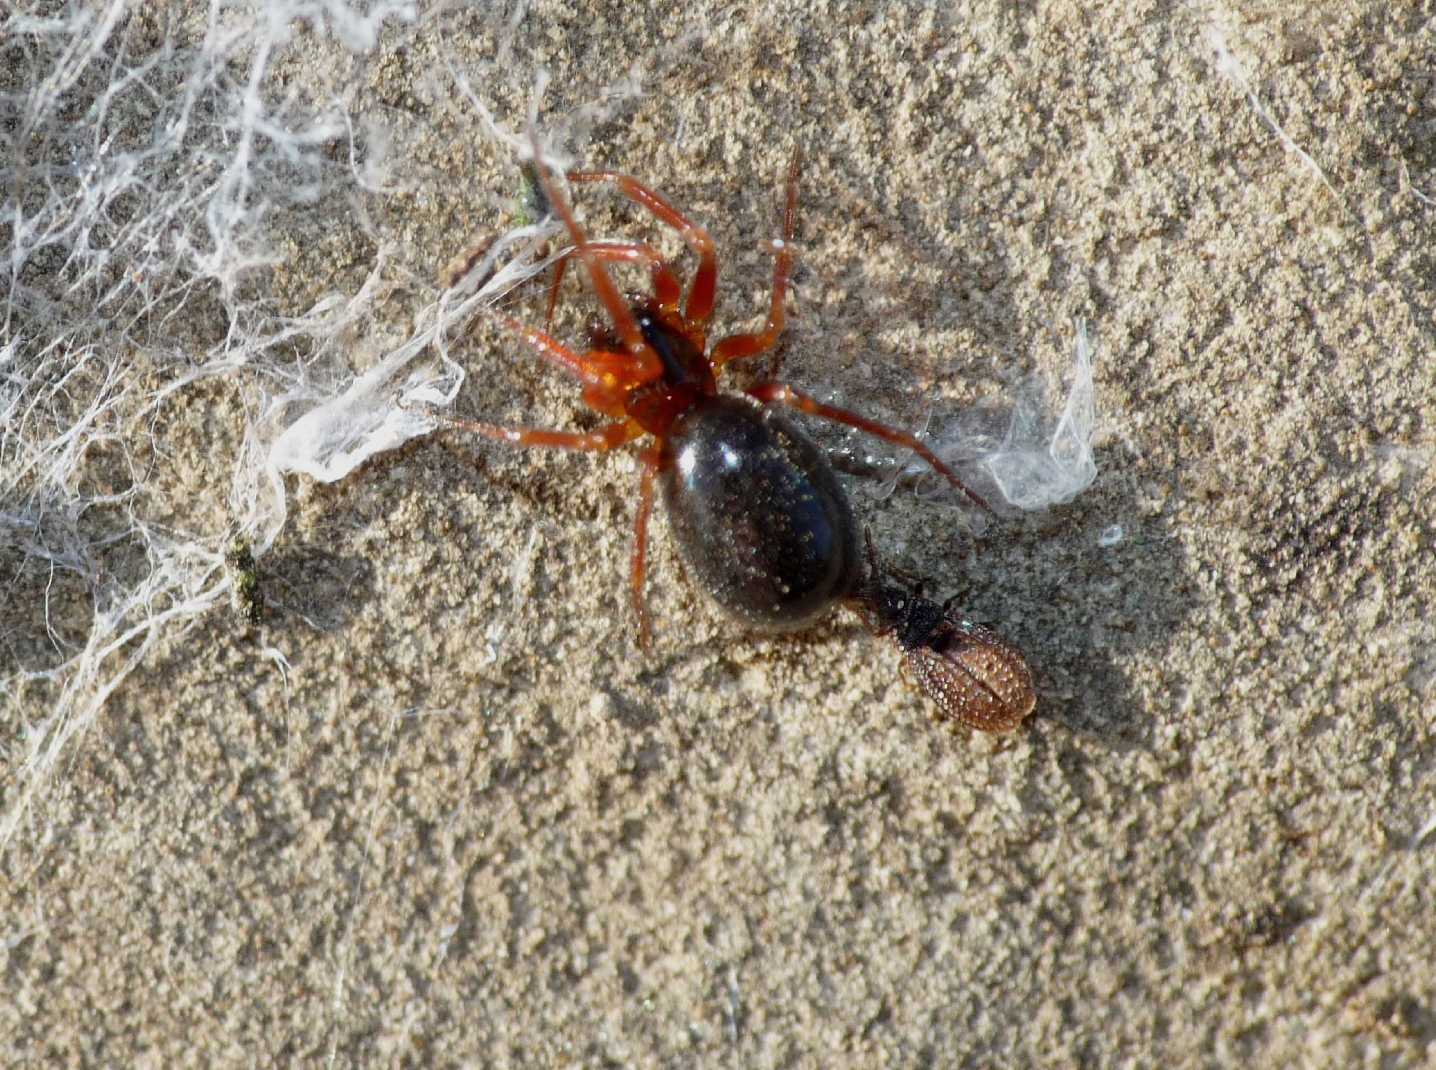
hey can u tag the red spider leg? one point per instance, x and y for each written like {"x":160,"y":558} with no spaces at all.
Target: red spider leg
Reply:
{"x":666,"y":287}
{"x":608,"y":294}
{"x":786,"y":395}
{"x":705,"y":280}
{"x":636,"y":570}
{"x":558,"y":270}
{"x":608,"y":378}
{"x":600,"y":371}
{"x":738,"y":346}
{"x":607,"y":437}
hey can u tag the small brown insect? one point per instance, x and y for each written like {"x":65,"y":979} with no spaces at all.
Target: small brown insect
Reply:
{"x":976,"y":677}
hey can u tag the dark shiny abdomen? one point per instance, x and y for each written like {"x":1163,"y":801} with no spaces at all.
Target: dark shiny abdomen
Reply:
{"x":761,"y":521}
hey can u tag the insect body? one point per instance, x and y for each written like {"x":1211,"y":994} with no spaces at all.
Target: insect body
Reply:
{"x":976,"y":677}
{"x":757,"y":513}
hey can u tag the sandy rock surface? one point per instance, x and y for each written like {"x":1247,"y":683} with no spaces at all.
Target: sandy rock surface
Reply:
{"x":437,"y":809}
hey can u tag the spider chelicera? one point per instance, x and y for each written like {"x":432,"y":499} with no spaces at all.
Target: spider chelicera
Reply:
{"x":755,"y":509}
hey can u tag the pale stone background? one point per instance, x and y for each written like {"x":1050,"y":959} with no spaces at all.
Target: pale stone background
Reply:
{"x":471,"y":825}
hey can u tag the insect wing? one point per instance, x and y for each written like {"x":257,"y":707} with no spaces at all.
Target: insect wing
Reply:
{"x":976,"y":677}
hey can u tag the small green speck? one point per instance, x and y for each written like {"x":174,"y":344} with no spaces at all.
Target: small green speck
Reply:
{"x":246,"y":598}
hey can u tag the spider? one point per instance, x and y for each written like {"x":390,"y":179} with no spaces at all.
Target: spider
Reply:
{"x":756,"y":511}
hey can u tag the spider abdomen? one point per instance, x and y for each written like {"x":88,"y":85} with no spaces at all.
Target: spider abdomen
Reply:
{"x":760,"y":519}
